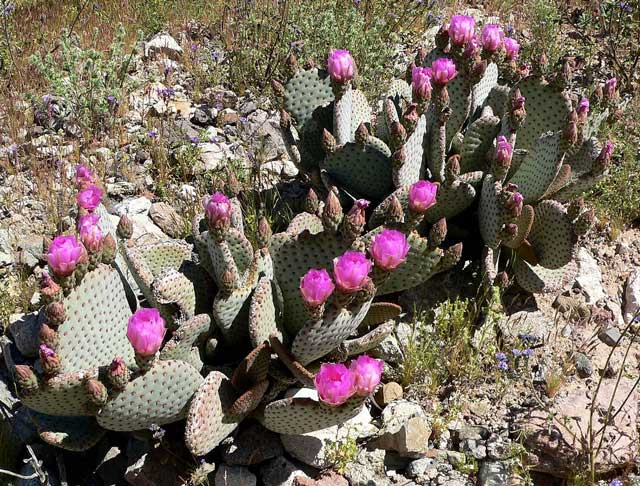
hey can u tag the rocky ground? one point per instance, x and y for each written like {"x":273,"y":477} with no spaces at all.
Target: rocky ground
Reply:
{"x":529,"y":423}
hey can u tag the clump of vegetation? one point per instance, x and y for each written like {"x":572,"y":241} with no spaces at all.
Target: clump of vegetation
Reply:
{"x":341,"y":453}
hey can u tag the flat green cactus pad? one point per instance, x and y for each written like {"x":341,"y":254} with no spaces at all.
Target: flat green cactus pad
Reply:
{"x":157,"y":397}
{"x":363,"y":170}
{"x":539,"y":168}
{"x":94,"y":331}
{"x":578,"y":187}
{"x":362,"y":344}
{"x":478,"y":140}
{"x":524,"y":223}
{"x":552,"y":235}
{"x":481,"y":91}
{"x":305,"y":222}
{"x":253,"y":368}
{"x":234,"y":253}
{"x":230,"y":310}
{"x":317,"y":338}
{"x":489,"y":212}
{"x":547,"y":110}
{"x":412,"y":170}
{"x":581,"y":158}
{"x":302,"y":415}
{"x":105,"y":223}
{"x":380,"y":312}
{"x":378,"y":215}
{"x":262,"y":313}
{"x":451,"y":201}
{"x":208,"y":422}
{"x":63,"y":395}
{"x":306,"y":91}
{"x":562,"y":179}
{"x":537,"y":279}
{"x":185,"y":338}
{"x":172,"y":287}
{"x":498,"y":98}
{"x":70,"y":433}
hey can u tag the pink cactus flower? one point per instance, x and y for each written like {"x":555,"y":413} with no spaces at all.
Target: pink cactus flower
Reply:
{"x":472,"y":47}
{"x":422,"y":195}
{"x":335,"y":383}
{"x":84,"y":175}
{"x":340,"y":65}
{"x":90,"y":198}
{"x":461,"y":30}
{"x":367,"y":372}
{"x":610,"y":87}
{"x":218,"y":211}
{"x":389,"y":249}
{"x":583,"y":109}
{"x":316,"y":286}
{"x":511,"y":48}
{"x":351,"y":271}
{"x":443,"y":70}
{"x":492,"y":38}
{"x":87,"y":220}
{"x":64,"y":255}
{"x":45,"y":351}
{"x":90,"y":235}
{"x":504,"y":151}
{"x":145,"y":331}
{"x":421,"y":82}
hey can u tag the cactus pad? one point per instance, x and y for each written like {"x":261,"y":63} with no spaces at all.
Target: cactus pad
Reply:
{"x":380,"y":312}
{"x":185,"y":338}
{"x":412,"y":168}
{"x":581,"y":159}
{"x":552,"y":235}
{"x":61,"y":395}
{"x":537,"y":279}
{"x":524,"y":223}
{"x":306,"y":91}
{"x":70,"y":433}
{"x":451,"y":201}
{"x":478,"y":140}
{"x":369,"y":341}
{"x":489,"y":212}
{"x":262,"y":313}
{"x":305,"y":222}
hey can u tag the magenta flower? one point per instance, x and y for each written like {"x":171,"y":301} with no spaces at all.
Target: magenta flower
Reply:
{"x":91,"y":236}
{"x":340,"y":65}
{"x":145,"y":331}
{"x":472,"y":47}
{"x":443,"y":70}
{"x":90,"y":219}
{"x":45,"y":351}
{"x":90,"y":198}
{"x":421,"y":82}
{"x":351,"y":271}
{"x":316,"y":286}
{"x":610,"y":87}
{"x":461,"y":29}
{"x":583,"y":109}
{"x":84,"y":175}
{"x":218,"y":211}
{"x":367,"y":372}
{"x":607,"y":151}
{"x":389,"y":249}
{"x":504,"y":151}
{"x":64,"y":254}
{"x":492,"y":38}
{"x":511,"y":48}
{"x":422,"y":195}
{"x":335,"y":383}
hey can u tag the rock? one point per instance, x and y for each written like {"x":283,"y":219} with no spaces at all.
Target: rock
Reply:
{"x":227,"y":116}
{"x":388,"y":350}
{"x":493,"y":474}
{"x":525,"y":323}
{"x":387,"y":393}
{"x":327,"y":478}
{"x":367,"y":469}
{"x":163,"y":45}
{"x":474,"y":448}
{"x":152,"y":469}
{"x":311,"y":448}
{"x":25,"y":330}
{"x":611,"y":337}
{"x":263,"y":134}
{"x":406,"y":429}
{"x":30,"y":250}
{"x":167,"y":219}
{"x":112,"y":466}
{"x":632,"y":296}
{"x":417,"y":469}
{"x":214,"y":156}
{"x":247,"y":107}
{"x":104,"y":154}
{"x":584,"y":368}
{"x":280,"y":472}
{"x":456,"y":458}
{"x":589,"y":277}
{"x":234,"y":476}
{"x":139,"y":205}
{"x":472,"y":432}
{"x":202,"y":116}
{"x":121,"y":188}
{"x":6,"y":252}
{"x":557,"y":443}
{"x":252,"y":445}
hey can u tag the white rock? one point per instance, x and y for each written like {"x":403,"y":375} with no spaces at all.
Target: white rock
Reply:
{"x":589,"y":277}
{"x":214,"y":155}
{"x":132,"y":207}
{"x":163,"y":44}
{"x":6,"y":252}
{"x":632,"y":296}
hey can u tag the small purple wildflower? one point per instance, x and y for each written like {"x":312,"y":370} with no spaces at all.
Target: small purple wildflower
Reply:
{"x":166,"y":93}
{"x":243,"y":119}
{"x":509,"y":30}
{"x":194,"y":47}
{"x":167,"y":70}
{"x":216,"y":54}
{"x":615,"y":482}
{"x":7,"y":10}
{"x":626,"y":7}
{"x":503,"y":365}
{"x":194,"y":140}
{"x":213,"y":139}
{"x":152,"y":133}
{"x":219,"y":106}
{"x":527,"y":353}
{"x":501,"y":356}
{"x":516,"y":352}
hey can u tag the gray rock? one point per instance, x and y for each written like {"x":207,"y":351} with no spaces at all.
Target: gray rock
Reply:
{"x":456,"y":458}
{"x":589,"y":277}
{"x":214,"y":156}
{"x":497,"y":447}
{"x":247,"y":107}
{"x":280,"y":472}
{"x":367,"y":469}
{"x":493,"y":474}
{"x":632,"y":296}
{"x":136,"y":206}
{"x":474,"y":448}
{"x":472,"y":432}
{"x":263,"y":134}
{"x":418,"y":468}
{"x":25,"y":330}
{"x":121,"y":188}
{"x":163,"y":44}
{"x":406,"y":429}
{"x":202,"y":116}
{"x":152,"y":469}
{"x":30,"y":250}
{"x":6,"y":251}
{"x":584,"y":368}
{"x":234,"y":476}
{"x":388,"y":350}
{"x":167,"y":219}
{"x":611,"y":337}
{"x":112,"y":466}
{"x":252,"y":445}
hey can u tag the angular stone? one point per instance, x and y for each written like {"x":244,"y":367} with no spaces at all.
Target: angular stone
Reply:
{"x":611,"y":337}
{"x":214,"y":156}
{"x":327,"y":478}
{"x":418,"y":468}
{"x":252,"y":445}
{"x":367,"y":469}
{"x":234,"y":476}
{"x":167,"y":219}
{"x":493,"y":474}
{"x":632,"y":296}
{"x":153,"y":469}
{"x":25,"y":331}
{"x":163,"y":44}
{"x":6,"y":251}
{"x":406,"y":429}
{"x":280,"y":472}
{"x":388,"y":350}
{"x":589,"y":277}
{"x":584,"y":368}
{"x":388,"y":392}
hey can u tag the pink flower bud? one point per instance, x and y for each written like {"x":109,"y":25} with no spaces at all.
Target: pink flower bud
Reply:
{"x":368,"y":372}
{"x":389,"y":249}
{"x":335,"y":383}
{"x":422,"y":195}
{"x":340,"y":65}
{"x":583,"y":109}
{"x":443,"y":70}
{"x":64,"y":255}
{"x":471,"y":49}
{"x":87,"y":221}
{"x":316,"y":286}
{"x":511,"y":48}
{"x":492,"y":38}
{"x":518,"y":103}
{"x":84,"y":176}
{"x":607,"y":152}
{"x":421,"y":82}
{"x":504,"y":151}
{"x":461,"y":30}
{"x":610,"y":87}
{"x":218,"y":211}
{"x":91,"y":236}
{"x":351,"y":271}
{"x":145,"y":331}
{"x":90,"y":198}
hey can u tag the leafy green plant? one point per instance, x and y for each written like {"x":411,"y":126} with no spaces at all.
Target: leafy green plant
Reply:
{"x":341,"y":453}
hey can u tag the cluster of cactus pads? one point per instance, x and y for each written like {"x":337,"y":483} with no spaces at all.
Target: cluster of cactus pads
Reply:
{"x":474,"y":121}
{"x":104,"y":363}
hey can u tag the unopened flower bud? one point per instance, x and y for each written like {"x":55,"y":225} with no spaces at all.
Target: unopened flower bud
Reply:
{"x":264,"y":233}
{"x":451,"y":256}
{"x":125,"y":227}
{"x":399,"y":157}
{"x":603,"y":162}
{"x":49,"y":289}
{"x":410,"y":117}
{"x":585,"y":222}
{"x":452,"y":169}
{"x":55,"y":313}
{"x":332,"y":213}
{"x":26,"y":379}
{"x":233,"y":186}
{"x":48,"y":336}
{"x":582,"y":110}
{"x":109,"y":248}
{"x":277,"y":88}
{"x":292,"y":63}
{"x":228,"y":280}
{"x":570,"y":133}
{"x":328,"y":142}
{"x":398,"y":134}
{"x":118,"y":374}
{"x":437,"y":233}
{"x":49,"y":360}
{"x":285,"y":120}
{"x":514,"y":204}
{"x":96,"y":391}
{"x":362,"y":134}
{"x":311,"y":202}
{"x":610,"y":88}
{"x":355,"y":220}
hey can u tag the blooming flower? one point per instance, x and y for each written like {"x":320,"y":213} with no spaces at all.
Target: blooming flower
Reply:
{"x":504,"y":151}
{"x":64,"y":254}
{"x":583,"y":109}
{"x":422,"y":195}
{"x":501,"y":356}
{"x":194,"y":140}
{"x":443,"y":70}
{"x":615,"y":482}
{"x":145,"y":331}
{"x":511,"y":48}
{"x":472,"y":47}
{"x":527,"y":352}
{"x":90,"y":235}
{"x":367,"y":372}
{"x":218,"y":211}
{"x":351,"y":271}
{"x":389,"y":249}
{"x":316,"y":286}
{"x":421,"y":82}
{"x":340,"y":65}
{"x":461,"y":29}
{"x":152,"y":133}
{"x":516,"y":352}
{"x":335,"y":383}
{"x":492,"y":38}
{"x":84,"y":175}
{"x":90,"y":198}
{"x":503,"y":365}
{"x":610,"y":87}
{"x":87,"y":220}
